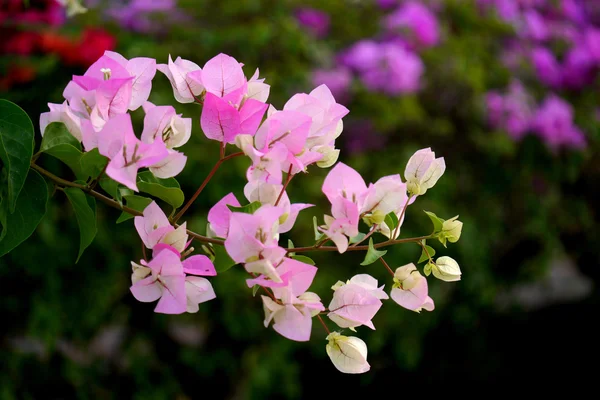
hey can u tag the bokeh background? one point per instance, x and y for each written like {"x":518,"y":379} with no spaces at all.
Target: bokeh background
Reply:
{"x":506,"y":90}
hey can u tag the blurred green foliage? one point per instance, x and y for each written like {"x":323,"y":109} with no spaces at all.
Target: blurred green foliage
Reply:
{"x":74,"y":331}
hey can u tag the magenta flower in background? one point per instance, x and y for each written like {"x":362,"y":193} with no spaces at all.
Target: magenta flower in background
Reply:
{"x":418,"y":20}
{"x":512,"y":112}
{"x":579,"y":68}
{"x":386,"y":4}
{"x":140,"y":15}
{"x":553,"y":123}
{"x":338,"y":80}
{"x":546,"y":66}
{"x":314,"y":20}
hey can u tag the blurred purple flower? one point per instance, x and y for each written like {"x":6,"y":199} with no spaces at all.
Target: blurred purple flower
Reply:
{"x":315,"y":21}
{"x":338,"y":80}
{"x":553,"y":122}
{"x":418,"y":20}
{"x":386,"y":4}
{"x":573,"y":10}
{"x":385,"y":67}
{"x":535,"y":26}
{"x":511,"y":112}
{"x":546,"y":66}
{"x":140,"y":15}
{"x":579,"y":68}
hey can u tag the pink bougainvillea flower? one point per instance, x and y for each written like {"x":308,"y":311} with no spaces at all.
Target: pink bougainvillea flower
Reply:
{"x":163,"y":122}
{"x":345,"y":182}
{"x":161,"y":278}
{"x":410,"y":289}
{"x":222,"y":75}
{"x":368,"y":282}
{"x":266,"y":166}
{"x":126,"y":152}
{"x":325,"y":112}
{"x":250,"y":234}
{"x":197,"y":290}
{"x":353,"y":305}
{"x":61,"y":113}
{"x":143,"y":70}
{"x":268,"y":193}
{"x":219,"y":215}
{"x":153,"y":226}
{"x":220,"y":121}
{"x":184,"y":88}
{"x":199,"y":265}
{"x":293,"y":317}
{"x":257,"y":88}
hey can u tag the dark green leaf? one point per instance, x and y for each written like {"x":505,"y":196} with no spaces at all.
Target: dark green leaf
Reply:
{"x":56,"y":134}
{"x":372,"y":254}
{"x":165,"y":189}
{"x":247,"y":209}
{"x":138,"y":203}
{"x":59,"y":143}
{"x":424,"y":257}
{"x":304,"y":259}
{"x":391,"y":220}
{"x":437,"y":221}
{"x":16,"y":148}
{"x":222,"y":260}
{"x":92,"y":163}
{"x":114,"y":189}
{"x":85,"y":211}
{"x":31,"y":207}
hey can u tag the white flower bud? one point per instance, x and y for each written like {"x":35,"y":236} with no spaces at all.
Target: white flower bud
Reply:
{"x":348,"y":353}
{"x":177,"y":238}
{"x":139,"y":272}
{"x":330,"y":156}
{"x":451,"y":230}
{"x":423,"y":171}
{"x":446,"y":269}
{"x":244,"y":142}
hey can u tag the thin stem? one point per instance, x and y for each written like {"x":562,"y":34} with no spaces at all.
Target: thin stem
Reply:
{"x":222,"y":153}
{"x":401,"y":216}
{"x":271,"y":295}
{"x":372,"y":231}
{"x":386,"y":265}
{"x":360,"y":248}
{"x":60,"y":183}
{"x":425,"y":250}
{"x":285,"y":185}
{"x":95,"y":181}
{"x":323,"y":323}
{"x":203,"y":185}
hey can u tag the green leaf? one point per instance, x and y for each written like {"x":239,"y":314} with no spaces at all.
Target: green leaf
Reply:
{"x":318,"y":235}
{"x":59,"y":143}
{"x":92,"y":163}
{"x":424,"y":257}
{"x":247,"y":209}
{"x":138,"y":203}
{"x":358,"y":238}
{"x":85,"y":211}
{"x":437,"y":221}
{"x":114,"y":189}
{"x":165,"y":189}
{"x":391,"y":220}
{"x":290,"y":246}
{"x":255,"y":289}
{"x":31,"y":207}
{"x":372,"y":254}
{"x":16,"y":148}
{"x":57,"y":134}
{"x":222,"y":261}
{"x":304,"y":259}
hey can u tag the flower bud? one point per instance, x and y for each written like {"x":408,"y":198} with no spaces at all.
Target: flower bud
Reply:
{"x":311,"y":298}
{"x":423,"y":171}
{"x":348,"y":353}
{"x":403,"y":273}
{"x":139,"y":272}
{"x":330,"y":156}
{"x":244,"y":142}
{"x":451,"y":230}
{"x":446,"y":269}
